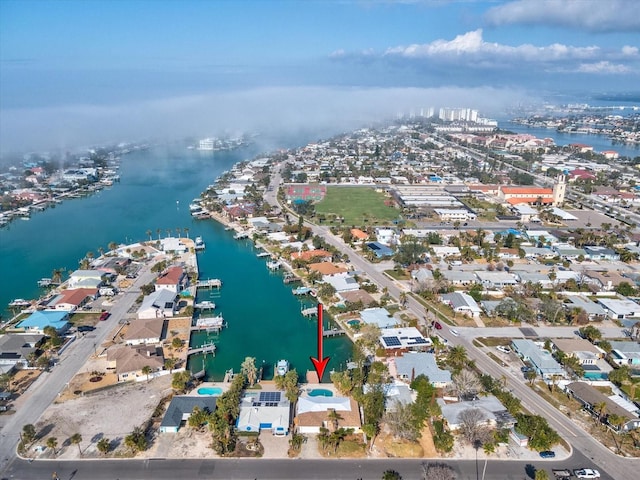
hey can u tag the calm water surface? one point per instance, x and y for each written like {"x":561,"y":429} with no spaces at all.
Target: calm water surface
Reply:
{"x":154,"y":193}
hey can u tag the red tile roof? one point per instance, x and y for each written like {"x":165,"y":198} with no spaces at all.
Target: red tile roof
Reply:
{"x":171,"y":276}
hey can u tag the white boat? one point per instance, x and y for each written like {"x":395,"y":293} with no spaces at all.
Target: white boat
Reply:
{"x":282,"y":367}
{"x":19,"y":302}
{"x":199,"y":243}
{"x":205,"y":305}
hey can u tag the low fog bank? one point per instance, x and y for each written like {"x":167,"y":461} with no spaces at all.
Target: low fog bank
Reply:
{"x":272,"y":112}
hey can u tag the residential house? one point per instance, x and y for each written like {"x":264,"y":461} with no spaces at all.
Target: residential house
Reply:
{"x":128,"y":362}
{"x":592,"y":309}
{"x":625,"y":353}
{"x":605,"y":281}
{"x":173,"y":279}
{"x":313,"y":413}
{"x":71,"y":299}
{"x":180,"y":410}
{"x":494,"y":413}
{"x":15,"y":350}
{"x":327,"y":268}
{"x":86,"y":279}
{"x":41,"y":319}
{"x":533,"y":277}
{"x":377,"y":316}
{"x":422,"y":275}
{"x":618,"y":309}
{"x":590,"y":397}
{"x":158,"y":304}
{"x":412,"y":364}
{"x":462,"y":303}
{"x":442,"y":251}
{"x":574,"y":347}
{"x":541,"y":360}
{"x":173,"y":245}
{"x":342,"y":282}
{"x":400,"y":340}
{"x":359,"y":235}
{"x":355,"y":296}
{"x":597,"y":252}
{"x":144,"y":332}
{"x":568,"y":252}
{"x":309,"y":255}
{"x":496,"y":279}
{"x":380,"y":250}
{"x":264,"y":410}
{"x":459,"y":278}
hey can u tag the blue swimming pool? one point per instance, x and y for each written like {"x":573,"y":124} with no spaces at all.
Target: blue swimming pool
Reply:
{"x":209,"y":391}
{"x":320,"y":392}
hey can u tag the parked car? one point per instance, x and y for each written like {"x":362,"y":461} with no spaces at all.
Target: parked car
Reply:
{"x":455,"y":333}
{"x":586,"y":473}
{"x":503,"y":349}
{"x":437,"y":326}
{"x":86,"y":328}
{"x":104,"y":315}
{"x":525,"y":369}
{"x":548,"y":454}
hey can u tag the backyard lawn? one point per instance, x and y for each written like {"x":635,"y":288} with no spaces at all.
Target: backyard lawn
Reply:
{"x":357,"y":205}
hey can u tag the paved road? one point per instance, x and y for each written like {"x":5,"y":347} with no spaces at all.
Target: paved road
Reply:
{"x":617,"y":467}
{"x":45,"y":390}
{"x":264,"y":469}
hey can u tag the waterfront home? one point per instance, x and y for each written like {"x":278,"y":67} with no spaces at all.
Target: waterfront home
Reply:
{"x":86,"y":279}
{"x":72,"y":299}
{"x":355,"y":296}
{"x":173,"y":279}
{"x":342,"y":282}
{"x":144,"y":332}
{"x":591,"y":398}
{"x":309,"y":255}
{"x":541,"y":360}
{"x":15,"y":350}
{"x":412,"y":364}
{"x":158,"y":304}
{"x":399,"y":340}
{"x":379,"y":317}
{"x":494,"y":413}
{"x":264,"y":410}
{"x":173,"y":245}
{"x":181,"y":408}
{"x":312,"y":413}
{"x":462,"y":303}
{"x":41,"y":319}
{"x":112,"y":265}
{"x":128,"y":362}
{"x":326,"y":268}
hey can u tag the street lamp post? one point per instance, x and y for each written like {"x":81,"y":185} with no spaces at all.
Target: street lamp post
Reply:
{"x":477,"y":444}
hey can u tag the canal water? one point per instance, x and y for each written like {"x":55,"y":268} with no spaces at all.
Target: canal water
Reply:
{"x":155,"y":190}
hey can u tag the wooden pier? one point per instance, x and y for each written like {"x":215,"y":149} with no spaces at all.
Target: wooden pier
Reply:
{"x":206,"y":348}
{"x":334,"y":332}
{"x":241,"y":235}
{"x":210,"y":283}
{"x":210,"y":324}
{"x":310,"y":312}
{"x":290,"y":278}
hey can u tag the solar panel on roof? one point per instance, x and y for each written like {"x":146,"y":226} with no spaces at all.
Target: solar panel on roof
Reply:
{"x":269,"y":396}
{"x":391,"y":341}
{"x":418,"y":340}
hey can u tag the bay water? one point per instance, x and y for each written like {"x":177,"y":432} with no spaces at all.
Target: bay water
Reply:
{"x":156,"y":187}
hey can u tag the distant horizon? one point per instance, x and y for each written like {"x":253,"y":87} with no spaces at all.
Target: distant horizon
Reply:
{"x":76,"y":73}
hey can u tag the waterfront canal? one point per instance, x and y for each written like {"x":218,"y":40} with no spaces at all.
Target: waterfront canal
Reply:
{"x":154,"y":193}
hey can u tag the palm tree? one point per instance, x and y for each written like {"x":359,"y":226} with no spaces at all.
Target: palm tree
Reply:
{"x":149,"y":232}
{"x":457,"y":357}
{"x":56,"y":275}
{"x":52,"y":443}
{"x":146,"y":370}
{"x":158,"y":230}
{"x":186,"y":231}
{"x":600,"y":408}
{"x":112,"y":246}
{"x":178,"y":231}
{"x":334,"y":419}
{"x":169,"y":364}
{"x":104,"y":445}
{"x":76,"y":438}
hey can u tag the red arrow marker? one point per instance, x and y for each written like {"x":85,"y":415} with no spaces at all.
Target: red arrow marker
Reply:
{"x":320,"y":363}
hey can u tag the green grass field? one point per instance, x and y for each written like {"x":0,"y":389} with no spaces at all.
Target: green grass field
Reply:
{"x":358,"y":206}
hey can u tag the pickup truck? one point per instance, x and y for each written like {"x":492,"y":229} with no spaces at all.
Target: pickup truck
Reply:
{"x":557,"y":473}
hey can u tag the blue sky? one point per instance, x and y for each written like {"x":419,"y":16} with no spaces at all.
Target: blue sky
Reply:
{"x":106,"y":65}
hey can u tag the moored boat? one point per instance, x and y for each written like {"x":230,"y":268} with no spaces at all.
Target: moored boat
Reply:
{"x":282,"y":367}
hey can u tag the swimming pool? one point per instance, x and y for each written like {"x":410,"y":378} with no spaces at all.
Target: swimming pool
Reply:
{"x":320,"y":392}
{"x":209,"y":391}
{"x":353,"y":322}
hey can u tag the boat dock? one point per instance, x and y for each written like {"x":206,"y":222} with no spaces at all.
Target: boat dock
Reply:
{"x":206,"y":348}
{"x":241,"y":235}
{"x":210,"y":324}
{"x":263,"y":254}
{"x":210,"y":283}
{"x":290,"y":278}
{"x":205,"y":305}
{"x":309,"y":312}
{"x":334,"y":332}
{"x":274,"y":265}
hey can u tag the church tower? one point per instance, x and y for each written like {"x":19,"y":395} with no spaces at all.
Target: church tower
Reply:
{"x":559,"y":190}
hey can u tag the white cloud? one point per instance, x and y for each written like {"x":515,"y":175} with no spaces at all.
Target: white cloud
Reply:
{"x":603,"y":67}
{"x":629,"y":51}
{"x":472,"y":46}
{"x":591,"y":15}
